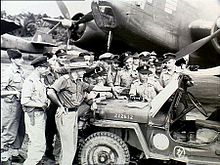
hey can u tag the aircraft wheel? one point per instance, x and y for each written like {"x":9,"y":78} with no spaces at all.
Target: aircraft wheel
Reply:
{"x":216,"y":41}
{"x":104,"y":148}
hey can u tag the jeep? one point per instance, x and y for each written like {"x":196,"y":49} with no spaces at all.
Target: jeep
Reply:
{"x":124,"y":132}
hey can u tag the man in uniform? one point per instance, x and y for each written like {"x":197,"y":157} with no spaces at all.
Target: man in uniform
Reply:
{"x":12,"y":120}
{"x":136,"y":61}
{"x":127,"y":75}
{"x":144,"y":58}
{"x":35,"y":102}
{"x":170,"y":68}
{"x":105,"y":60}
{"x":147,"y":88}
{"x":68,"y":93}
{"x":152,"y":60}
{"x":51,"y":129}
{"x":113,"y":71}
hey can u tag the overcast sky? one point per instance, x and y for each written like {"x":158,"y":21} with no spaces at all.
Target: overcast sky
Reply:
{"x":48,"y":7}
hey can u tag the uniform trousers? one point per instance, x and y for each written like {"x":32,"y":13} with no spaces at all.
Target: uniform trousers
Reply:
{"x":51,"y":130}
{"x":12,"y":125}
{"x":36,"y":134}
{"x":67,"y":126}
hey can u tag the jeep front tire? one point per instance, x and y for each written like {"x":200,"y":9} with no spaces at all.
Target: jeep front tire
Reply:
{"x":104,"y":148}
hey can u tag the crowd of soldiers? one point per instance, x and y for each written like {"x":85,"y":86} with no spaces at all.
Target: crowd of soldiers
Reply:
{"x":47,"y":103}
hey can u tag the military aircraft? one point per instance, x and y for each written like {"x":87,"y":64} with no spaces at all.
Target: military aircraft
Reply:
{"x":36,"y":45}
{"x":138,"y":25}
{"x":31,"y":47}
{"x":8,"y":25}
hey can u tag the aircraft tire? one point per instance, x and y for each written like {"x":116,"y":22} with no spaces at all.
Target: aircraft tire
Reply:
{"x":104,"y":148}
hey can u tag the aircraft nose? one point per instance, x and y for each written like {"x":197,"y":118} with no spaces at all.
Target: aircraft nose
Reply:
{"x":104,"y":15}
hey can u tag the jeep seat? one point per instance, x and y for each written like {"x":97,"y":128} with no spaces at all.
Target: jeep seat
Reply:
{"x":208,"y":124}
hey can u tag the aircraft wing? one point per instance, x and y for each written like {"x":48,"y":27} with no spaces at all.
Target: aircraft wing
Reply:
{"x":8,"y":26}
{"x":41,"y":39}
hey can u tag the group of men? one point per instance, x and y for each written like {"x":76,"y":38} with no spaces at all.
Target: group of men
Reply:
{"x":49,"y":101}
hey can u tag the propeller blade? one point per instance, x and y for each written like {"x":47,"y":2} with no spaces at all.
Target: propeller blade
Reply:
{"x":63,"y":9}
{"x":52,"y":20}
{"x":86,"y":18}
{"x":195,"y":45}
{"x":51,"y":30}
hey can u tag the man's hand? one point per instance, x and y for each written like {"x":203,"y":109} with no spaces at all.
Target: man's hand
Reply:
{"x":60,"y":110}
{"x":117,"y":89}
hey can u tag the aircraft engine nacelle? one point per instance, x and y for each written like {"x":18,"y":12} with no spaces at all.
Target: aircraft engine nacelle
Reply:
{"x":89,"y":36}
{"x":216,"y":41}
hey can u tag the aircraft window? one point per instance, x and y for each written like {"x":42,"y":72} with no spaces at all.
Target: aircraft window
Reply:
{"x":170,"y":6}
{"x":106,"y":10}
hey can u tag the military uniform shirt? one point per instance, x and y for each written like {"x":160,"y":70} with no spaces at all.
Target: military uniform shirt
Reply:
{"x":111,"y":77}
{"x":13,"y":80}
{"x":147,"y":90}
{"x":34,"y":92}
{"x":124,"y":78}
{"x":70,"y":93}
{"x":165,"y":77}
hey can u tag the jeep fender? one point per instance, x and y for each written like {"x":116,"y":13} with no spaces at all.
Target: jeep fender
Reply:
{"x":126,"y":125}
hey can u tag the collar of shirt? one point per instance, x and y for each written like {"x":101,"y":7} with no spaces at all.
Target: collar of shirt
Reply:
{"x":34,"y":76}
{"x":16,"y":69}
{"x":170,"y":71}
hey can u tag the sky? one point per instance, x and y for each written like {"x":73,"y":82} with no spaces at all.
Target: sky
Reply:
{"x":41,"y":7}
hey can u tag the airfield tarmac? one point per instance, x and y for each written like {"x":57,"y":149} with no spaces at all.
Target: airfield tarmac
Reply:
{"x":206,"y":89}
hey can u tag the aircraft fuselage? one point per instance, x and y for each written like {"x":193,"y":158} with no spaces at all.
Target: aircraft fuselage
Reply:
{"x":160,"y":25}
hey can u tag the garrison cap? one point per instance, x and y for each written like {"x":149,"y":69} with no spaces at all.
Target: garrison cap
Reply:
{"x":146,"y":58}
{"x":115,"y":58}
{"x":146,"y":67}
{"x":61,"y":52}
{"x":14,"y":53}
{"x":136,"y":55}
{"x":48,"y":54}
{"x":105,"y":56}
{"x":40,"y":61}
{"x":126,"y":56}
{"x":169,"y":55}
{"x":153,"y":54}
{"x":145,"y":71}
{"x":144,"y":53}
{"x":94,"y":72}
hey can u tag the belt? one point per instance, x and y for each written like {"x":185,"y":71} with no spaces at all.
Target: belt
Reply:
{"x":72,"y":109}
{"x":38,"y":109}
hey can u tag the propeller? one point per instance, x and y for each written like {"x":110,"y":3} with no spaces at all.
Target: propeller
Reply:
{"x":73,"y":24}
{"x":196,"y":45}
{"x":63,"y":9}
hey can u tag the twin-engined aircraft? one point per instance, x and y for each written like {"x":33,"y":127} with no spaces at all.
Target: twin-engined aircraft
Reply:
{"x":153,"y":25}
